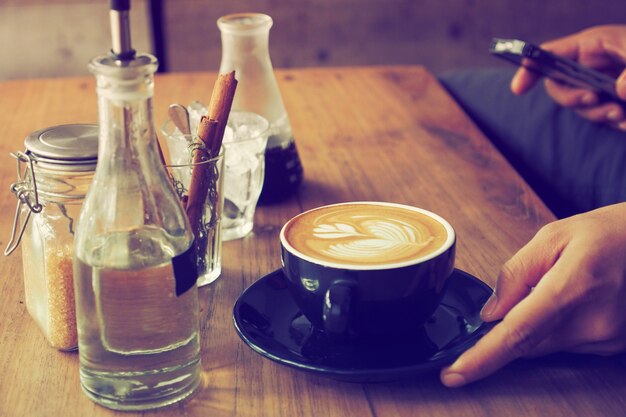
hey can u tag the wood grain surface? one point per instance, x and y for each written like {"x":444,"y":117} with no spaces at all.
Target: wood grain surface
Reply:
{"x":382,"y":133}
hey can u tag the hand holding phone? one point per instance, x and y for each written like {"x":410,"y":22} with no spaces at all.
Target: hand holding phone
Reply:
{"x":592,"y":61}
{"x":558,"y":68}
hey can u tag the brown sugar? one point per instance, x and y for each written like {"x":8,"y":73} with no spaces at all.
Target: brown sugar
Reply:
{"x":62,"y":333}
{"x":49,"y":291}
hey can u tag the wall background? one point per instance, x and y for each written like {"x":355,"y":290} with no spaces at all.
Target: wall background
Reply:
{"x":440,"y":34}
{"x":49,"y":38}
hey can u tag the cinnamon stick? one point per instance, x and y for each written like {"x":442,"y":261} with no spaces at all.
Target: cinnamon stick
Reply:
{"x":211,"y":133}
{"x":200,"y":178}
{"x":219,"y":107}
{"x":207,"y":133}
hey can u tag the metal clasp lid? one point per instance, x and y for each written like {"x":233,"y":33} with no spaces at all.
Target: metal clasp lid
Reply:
{"x":24,"y":195}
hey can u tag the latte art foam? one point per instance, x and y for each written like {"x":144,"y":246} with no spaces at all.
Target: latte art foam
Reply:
{"x":365,"y":234}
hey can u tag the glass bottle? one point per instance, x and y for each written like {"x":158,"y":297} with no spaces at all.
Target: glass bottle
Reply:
{"x":137,"y":314}
{"x":58,"y":167}
{"x":245,"y":49}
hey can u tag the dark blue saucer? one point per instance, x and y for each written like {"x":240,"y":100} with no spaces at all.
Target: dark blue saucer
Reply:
{"x":268,"y":320}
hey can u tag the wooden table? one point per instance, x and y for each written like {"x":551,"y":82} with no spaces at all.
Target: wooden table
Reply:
{"x":387,"y":133}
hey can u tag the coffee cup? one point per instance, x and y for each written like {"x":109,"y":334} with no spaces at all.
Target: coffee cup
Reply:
{"x":367,"y":270}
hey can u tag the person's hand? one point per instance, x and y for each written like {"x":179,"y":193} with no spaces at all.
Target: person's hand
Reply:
{"x":602,"y":48}
{"x":564,"y":291}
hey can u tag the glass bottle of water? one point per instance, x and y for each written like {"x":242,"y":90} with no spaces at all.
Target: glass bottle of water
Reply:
{"x":245,"y":49}
{"x":136,"y":298}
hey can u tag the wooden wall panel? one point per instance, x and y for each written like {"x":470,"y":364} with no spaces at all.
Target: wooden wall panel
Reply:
{"x":440,"y":34}
{"x":40,"y":38}
{"x":43,"y":38}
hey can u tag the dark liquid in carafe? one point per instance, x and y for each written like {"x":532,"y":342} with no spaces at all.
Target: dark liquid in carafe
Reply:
{"x":283,"y":173}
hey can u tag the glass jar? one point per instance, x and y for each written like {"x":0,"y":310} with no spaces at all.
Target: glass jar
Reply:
{"x":54,"y":174}
{"x":245,"y":50}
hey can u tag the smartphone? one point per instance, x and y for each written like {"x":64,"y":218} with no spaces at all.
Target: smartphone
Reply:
{"x":555,"y":67}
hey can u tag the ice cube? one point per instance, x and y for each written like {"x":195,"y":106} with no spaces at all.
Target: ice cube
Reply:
{"x":229,"y":137}
{"x":239,"y":159}
{"x":237,"y":187}
{"x":196,"y":110}
{"x":179,"y":148}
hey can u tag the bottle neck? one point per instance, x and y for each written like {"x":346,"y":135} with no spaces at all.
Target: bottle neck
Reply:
{"x":127,"y":136}
{"x":240,"y":48}
{"x":245,"y":36}
{"x":126,"y":131}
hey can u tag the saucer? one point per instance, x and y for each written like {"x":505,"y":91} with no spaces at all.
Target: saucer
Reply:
{"x":268,"y":320}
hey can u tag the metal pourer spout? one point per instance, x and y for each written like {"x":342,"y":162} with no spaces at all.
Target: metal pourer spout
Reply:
{"x":120,"y":30}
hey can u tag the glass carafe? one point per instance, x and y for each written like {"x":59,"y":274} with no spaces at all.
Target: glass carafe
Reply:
{"x":136,"y":297}
{"x":245,"y":49}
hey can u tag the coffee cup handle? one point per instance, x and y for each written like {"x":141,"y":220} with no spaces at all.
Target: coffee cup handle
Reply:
{"x":337,"y":307}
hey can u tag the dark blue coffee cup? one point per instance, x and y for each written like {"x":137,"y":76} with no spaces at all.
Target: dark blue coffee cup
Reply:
{"x":372,"y":301}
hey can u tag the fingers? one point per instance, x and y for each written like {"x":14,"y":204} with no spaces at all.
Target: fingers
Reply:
{"x":610,"y":113}
{"x":568,"y":96}
{"x":523,"y":80}
{"x":528,"y":314}
{"x":600,"y":48}
{"x":567,"y":47}
{"x":587,"y":104}
{"x":575,"y":304}
{"x":514,"y":337}
{"x":522,"y":272}
{"x":527,"y":324}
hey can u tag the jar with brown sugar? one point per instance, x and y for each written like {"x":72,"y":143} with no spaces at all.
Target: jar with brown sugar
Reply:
{"x":53,"y":176}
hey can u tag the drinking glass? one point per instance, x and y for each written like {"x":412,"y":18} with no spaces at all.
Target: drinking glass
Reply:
{"x":208,"y":230}
{"x":245,"y":142}
{"x":245,"y":139}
